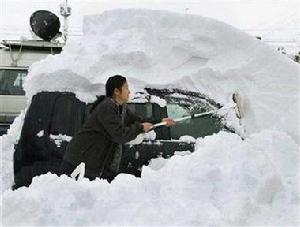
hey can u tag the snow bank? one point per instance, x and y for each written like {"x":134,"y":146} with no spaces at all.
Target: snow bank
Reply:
{"x":7,"y":143}
{"x":226,"y":181}
{"x":164,"y":49}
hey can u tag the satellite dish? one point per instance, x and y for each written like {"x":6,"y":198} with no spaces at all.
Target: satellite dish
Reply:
{"x":45,"y":24}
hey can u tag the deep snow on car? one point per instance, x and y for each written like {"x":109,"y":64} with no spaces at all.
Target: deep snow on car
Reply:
{"x":54,"y":117}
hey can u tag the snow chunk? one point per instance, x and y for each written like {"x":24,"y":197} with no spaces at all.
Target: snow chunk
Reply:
{"x":143,"y":136}
{"x":40,"y":134}
{"x":187,"y":139}
{"x":58,"y":139}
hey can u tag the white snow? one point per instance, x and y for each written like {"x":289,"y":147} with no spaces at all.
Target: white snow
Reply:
{"x":226,"y":181}
{"x":58,"y":139}
{"x":7,"y":143}
{"x":187,"y":139}
{"x":143,"y":136}
{"x":157,"y":163}
{"x":138,"y":140}
{"x":40,"y":133}
{"x":150,"y":135}
{"x":158,"y":100}
{"x":138,"y":98}
{"x":159,"y":48}
{"x":182,"y":153}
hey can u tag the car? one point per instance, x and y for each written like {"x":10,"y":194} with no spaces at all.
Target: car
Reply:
{"x":54,"y":117}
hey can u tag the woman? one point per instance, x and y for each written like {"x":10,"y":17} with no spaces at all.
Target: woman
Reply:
{"x":99,"y":143}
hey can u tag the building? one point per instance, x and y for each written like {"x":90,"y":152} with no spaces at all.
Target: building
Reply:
{"x":16,"y":56}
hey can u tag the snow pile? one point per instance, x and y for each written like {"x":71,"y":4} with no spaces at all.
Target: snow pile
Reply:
{"x":63,"y":80}
{"x":226,"y":181}
{"x":164,"y":49}
{"x":7,"y":143}
{"x":157,"y":163}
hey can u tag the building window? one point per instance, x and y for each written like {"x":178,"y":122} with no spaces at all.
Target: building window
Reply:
{"x":11,"y":81}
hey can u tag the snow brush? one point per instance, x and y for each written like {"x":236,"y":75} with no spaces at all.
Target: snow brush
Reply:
{"x":185,"y":118}
{"x":239,"y":111}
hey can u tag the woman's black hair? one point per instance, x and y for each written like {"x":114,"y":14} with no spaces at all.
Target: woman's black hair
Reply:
{"x":95,"y":104}
{"x":113,"y":82}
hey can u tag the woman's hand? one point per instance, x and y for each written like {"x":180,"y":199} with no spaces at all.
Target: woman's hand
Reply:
{"x":169,"y":121}
{"x":147,"y":126}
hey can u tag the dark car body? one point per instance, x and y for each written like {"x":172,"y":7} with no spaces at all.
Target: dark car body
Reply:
{"x":54,"y":117}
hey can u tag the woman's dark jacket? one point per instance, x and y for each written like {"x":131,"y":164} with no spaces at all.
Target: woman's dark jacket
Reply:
{"x":101,"y":134}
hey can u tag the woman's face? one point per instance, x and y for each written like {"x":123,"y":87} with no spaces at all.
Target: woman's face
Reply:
{"x":123,"y":95}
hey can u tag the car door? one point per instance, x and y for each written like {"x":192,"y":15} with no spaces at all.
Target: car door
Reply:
{"x":136,"y":156}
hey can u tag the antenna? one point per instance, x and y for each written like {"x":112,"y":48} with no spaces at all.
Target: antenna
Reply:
{"x":65,"y":11}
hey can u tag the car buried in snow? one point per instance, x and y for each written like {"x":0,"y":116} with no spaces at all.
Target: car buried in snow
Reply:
{"x":54,"y":117}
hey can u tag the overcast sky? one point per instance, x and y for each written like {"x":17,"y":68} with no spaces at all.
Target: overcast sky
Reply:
{"x":277,"y":19}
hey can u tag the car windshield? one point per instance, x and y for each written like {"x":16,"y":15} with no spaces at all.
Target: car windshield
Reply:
{"x":196,"y":127}
{"x":11,"y":81}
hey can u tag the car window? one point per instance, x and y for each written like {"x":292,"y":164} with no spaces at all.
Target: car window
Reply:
{"x":177,"y":111}
{"x":141,"y":109}
{"x":196,"y":127}
{"x":11,"y":81}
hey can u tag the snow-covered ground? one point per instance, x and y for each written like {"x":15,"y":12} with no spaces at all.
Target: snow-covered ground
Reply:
{"x":226,"y":181}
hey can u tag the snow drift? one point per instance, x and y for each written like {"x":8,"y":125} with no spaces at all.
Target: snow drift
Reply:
{"x":164,"y":49}
{"x":226,"y":181}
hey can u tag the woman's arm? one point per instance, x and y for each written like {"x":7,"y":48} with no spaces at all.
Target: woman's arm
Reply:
{"x":109,"y":118}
